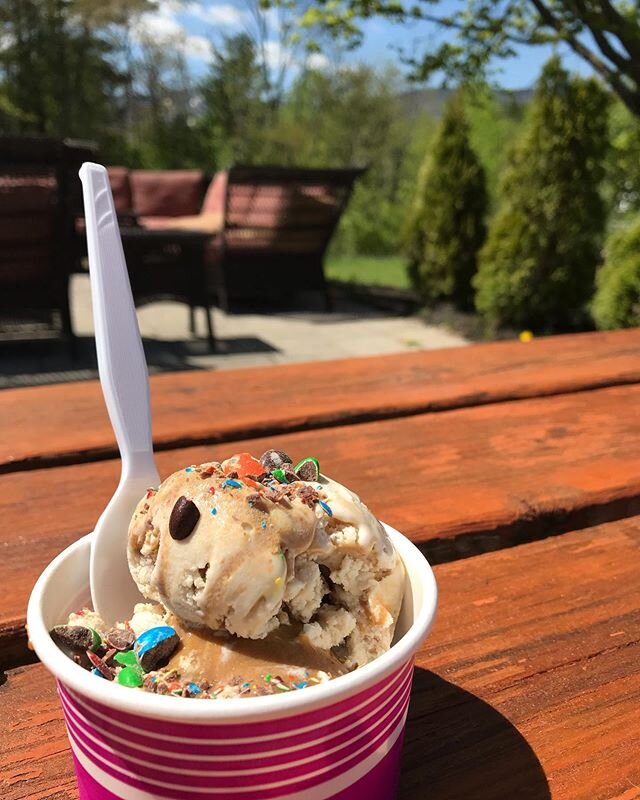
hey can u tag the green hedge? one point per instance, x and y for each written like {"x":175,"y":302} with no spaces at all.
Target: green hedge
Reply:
{"x":447,"y":228}
{"x":538,"y":265}
{"x":616,"y":303}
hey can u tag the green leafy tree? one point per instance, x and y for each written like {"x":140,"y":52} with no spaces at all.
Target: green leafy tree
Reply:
{"x":616,"y":303}
{"x":448,"y":226}
{"x":604,"y":33}
{"x":315,"y":127}
{"x":622,"y":182}
{"x":164,"y":130}
{"x":537,"y":267}
{"x":59,"y":72}
{"x":237,"y":112}
{"x":494,"y":123}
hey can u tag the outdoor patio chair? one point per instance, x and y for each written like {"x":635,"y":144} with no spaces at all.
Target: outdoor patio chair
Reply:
{"x":38,"y":204}
{"x":277,"y":225}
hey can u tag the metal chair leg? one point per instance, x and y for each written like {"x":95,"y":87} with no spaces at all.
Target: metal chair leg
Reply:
{"x":67,"y":325}
{"x":192,"y":320}
{"x":211,"y":336}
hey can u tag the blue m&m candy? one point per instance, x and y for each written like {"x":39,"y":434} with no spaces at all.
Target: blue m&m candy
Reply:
{"x":155,"y":647}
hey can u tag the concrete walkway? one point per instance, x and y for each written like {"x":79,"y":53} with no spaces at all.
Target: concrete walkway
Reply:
{"x":244,"y":340}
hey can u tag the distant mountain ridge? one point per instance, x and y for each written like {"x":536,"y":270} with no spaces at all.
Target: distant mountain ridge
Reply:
{"x":433,"y":101}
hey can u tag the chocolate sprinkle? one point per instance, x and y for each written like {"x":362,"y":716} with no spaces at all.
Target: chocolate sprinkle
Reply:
{"x":257,"y":500}
{"x":183,"y":519}
{"x":308,"y":495}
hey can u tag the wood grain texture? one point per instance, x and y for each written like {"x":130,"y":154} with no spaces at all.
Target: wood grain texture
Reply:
{"x":68,"y":423}
{"x":527,"y":687}
{"x":459,"y":482}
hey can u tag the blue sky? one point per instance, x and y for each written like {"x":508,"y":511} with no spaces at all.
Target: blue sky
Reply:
{"x":199,"y":22}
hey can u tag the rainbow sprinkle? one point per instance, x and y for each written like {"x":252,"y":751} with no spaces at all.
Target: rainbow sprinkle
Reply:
{"x":263,"y":524}
{"x":325,"y":507}
{"x":231,"y":482}
{"x":214,"y":511}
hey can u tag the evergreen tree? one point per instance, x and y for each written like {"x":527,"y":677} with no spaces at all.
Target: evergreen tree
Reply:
{"x":447,"y":228}
{"x":616,"y":303}
{"x":237,"y":114}
{"x":538,"y":265}
{"x":59,"y":68}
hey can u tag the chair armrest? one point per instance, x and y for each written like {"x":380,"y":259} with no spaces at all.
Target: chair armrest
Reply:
{"x":128,"y":219}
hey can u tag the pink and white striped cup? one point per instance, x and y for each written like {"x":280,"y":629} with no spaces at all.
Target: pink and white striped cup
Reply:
{"x":335,"y":741}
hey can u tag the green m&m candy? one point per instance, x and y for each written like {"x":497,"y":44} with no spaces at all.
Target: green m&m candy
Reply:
{"x":130,"y":676}
{"x":127,"y":659}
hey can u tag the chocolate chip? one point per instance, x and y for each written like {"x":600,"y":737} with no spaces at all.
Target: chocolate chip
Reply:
{"x":183,"y":519}
{"x":274,"y":459}
{"x":290,"y":475}
{"x":121,"y":638}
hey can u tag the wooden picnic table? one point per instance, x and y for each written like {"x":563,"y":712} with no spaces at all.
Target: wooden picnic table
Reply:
{"x":515,"y":467}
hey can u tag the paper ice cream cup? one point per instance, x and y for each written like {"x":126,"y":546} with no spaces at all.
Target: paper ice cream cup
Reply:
{"x":340,"y":740}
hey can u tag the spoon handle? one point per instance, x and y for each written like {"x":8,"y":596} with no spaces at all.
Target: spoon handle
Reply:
{"x":121,"y":361}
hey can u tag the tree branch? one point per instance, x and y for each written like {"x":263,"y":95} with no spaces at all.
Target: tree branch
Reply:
{"x":623,"y":63}
{"x":619,"y":25}
{"x":451,"y":24}
{"x":628,"y":96}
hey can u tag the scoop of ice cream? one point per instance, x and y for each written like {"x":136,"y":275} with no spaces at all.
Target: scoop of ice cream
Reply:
{"x":230,"y":547}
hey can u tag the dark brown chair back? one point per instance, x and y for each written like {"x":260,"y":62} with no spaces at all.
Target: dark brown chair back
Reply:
{"x":278,"y":222}
{"x":284,"y":209}
{"x":39,"y":198}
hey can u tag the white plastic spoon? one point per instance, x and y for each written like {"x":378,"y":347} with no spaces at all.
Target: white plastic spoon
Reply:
{"x":125,"y":385}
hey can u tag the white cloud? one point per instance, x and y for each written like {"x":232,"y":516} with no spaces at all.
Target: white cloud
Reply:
{"x":197,"y":47}
{"x":216,"y":14}
{"x":163,"y":26}
{"x":276,"y":55}
{"x":317,"y":61}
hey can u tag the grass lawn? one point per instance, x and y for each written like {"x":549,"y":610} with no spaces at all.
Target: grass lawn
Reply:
{"x":370,"y":270}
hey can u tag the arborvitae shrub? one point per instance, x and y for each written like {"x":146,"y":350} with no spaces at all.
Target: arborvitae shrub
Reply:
{"x":537,"y":267}
{"x":616,"y":303}
{"x":447,"y":227}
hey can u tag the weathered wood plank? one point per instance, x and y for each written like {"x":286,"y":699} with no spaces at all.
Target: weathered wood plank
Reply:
{"x":534,"y":685}
{"x":527,"y":687}
{"x":68,"y":423}
{"x":459,"y":482}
